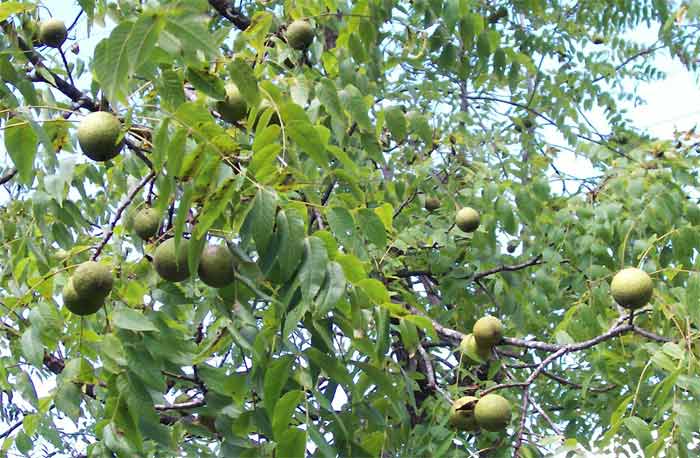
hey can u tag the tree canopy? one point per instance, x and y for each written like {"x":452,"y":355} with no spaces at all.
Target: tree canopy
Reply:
{"x":267,"y":228}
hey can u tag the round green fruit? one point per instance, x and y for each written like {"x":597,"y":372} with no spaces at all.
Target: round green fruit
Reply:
{"x":632,"y":288}
{"x":488,"y":331}
{"x":467,"y":219}
{"x":52,"y":33}
{"x":171,"y":265}
{"x":233,"y":108}
{"x":80,"y":305}
{"x":462,"y":414}
{"x":216,"y":266}
{"x":432,"y":203}
{"x":472,"y":351}
{"x":146,"y":223}
{"x":492,"y":412}
{"x":300,"y":34}
{"x":92,"y":280}
{"x":99,"y":136}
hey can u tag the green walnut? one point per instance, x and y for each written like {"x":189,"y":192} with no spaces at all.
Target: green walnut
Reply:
{"x":233,"y":108}
{"x":632,"y":288}
{"x":492,"y":412}
{"x":467,"y":219}
{"x":474,"y":353}
{"x":216,"y":266}
{"x":300,"y":34}
{"x":52,"y":33}
{"x":488,"y":331}
{"x":92,"y":280}
{"x":99,"y":135}
{"x":171,"y":265}
{"x":462,"y":414}
{"x":598,"y":39}
{"x":146,"y":223}
{"x":80,"y":305}
{"x":432,"y":204}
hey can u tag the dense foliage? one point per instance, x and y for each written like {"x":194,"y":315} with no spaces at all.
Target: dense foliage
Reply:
{"x":326,"y":165}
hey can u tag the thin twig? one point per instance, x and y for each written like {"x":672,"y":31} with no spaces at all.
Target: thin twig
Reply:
{"x":118,"y":215}
{"x":181,"y":406}
{"x":8,"y":176}
{"x":10,"y":429}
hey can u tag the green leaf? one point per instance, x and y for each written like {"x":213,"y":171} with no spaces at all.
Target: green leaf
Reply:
{"x":67,"y":399}
{"x":261,"y":216}
{"x":375,"y":289}
{"x":483,"y":45}
{"x":32,"y":348}
{"x":7,"y":9}
{"x":352,"y":267}
{"x":182,"y":214}
{"x":639,"y":429}
{"x":276,"y":376}
{"x":291,"y":228}
{"x":142,"y":40}
{"x":307,"y":137}
{"x":692,"y":293}
{"x":292,"y":444}
{"x":333,"y":289}
{"x":192,"y":36}
{"x":396,"y":122}
{"x":214,"y":206}
{"x":372,"y":227}
{"x":21,"y":143}
{"x":242,"y":74}
{"x":342,"y":224}
{"x":328,"y":96}
{"x":330,"y":366}
{"x":355,"y":104}
{"x":313,"y":269}
{"x":111,"y":62}
{"x":132,"y":320}
{"x":284,"y":410}
{"x":208,"y":83}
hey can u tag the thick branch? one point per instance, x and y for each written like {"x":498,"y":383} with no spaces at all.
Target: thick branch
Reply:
{"x":118,"y":215}
{"x":69,"y":90}
{"x":428,"y":366}
{"x":226,"y":9}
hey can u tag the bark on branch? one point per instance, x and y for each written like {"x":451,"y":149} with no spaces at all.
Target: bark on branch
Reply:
{"x":226,"y":9}
{"x":118,"y":215}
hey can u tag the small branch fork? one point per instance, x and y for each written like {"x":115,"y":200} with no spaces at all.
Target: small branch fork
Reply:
{"x":120,"y":211}
{"x":621,"y":326}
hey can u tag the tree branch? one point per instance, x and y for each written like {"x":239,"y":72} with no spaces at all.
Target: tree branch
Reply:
{"x":503,"y":268}
{"x":181,"y":406}
{"x":10,"y":429}
{"x":118,"y":215}
{"x":226,"y":9}
{"x":10,"y":174}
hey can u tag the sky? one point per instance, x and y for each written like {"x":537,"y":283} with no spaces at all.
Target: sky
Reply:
{"x":672,"y":103}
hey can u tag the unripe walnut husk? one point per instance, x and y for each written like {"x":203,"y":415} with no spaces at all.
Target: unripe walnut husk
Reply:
{"x":462,"y":414}
{"x":171,"y":265}
{"x":492,"y":412}
{"x":467,"y":219}
{"x":632,"y":288}
{"x":52,"y":33}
